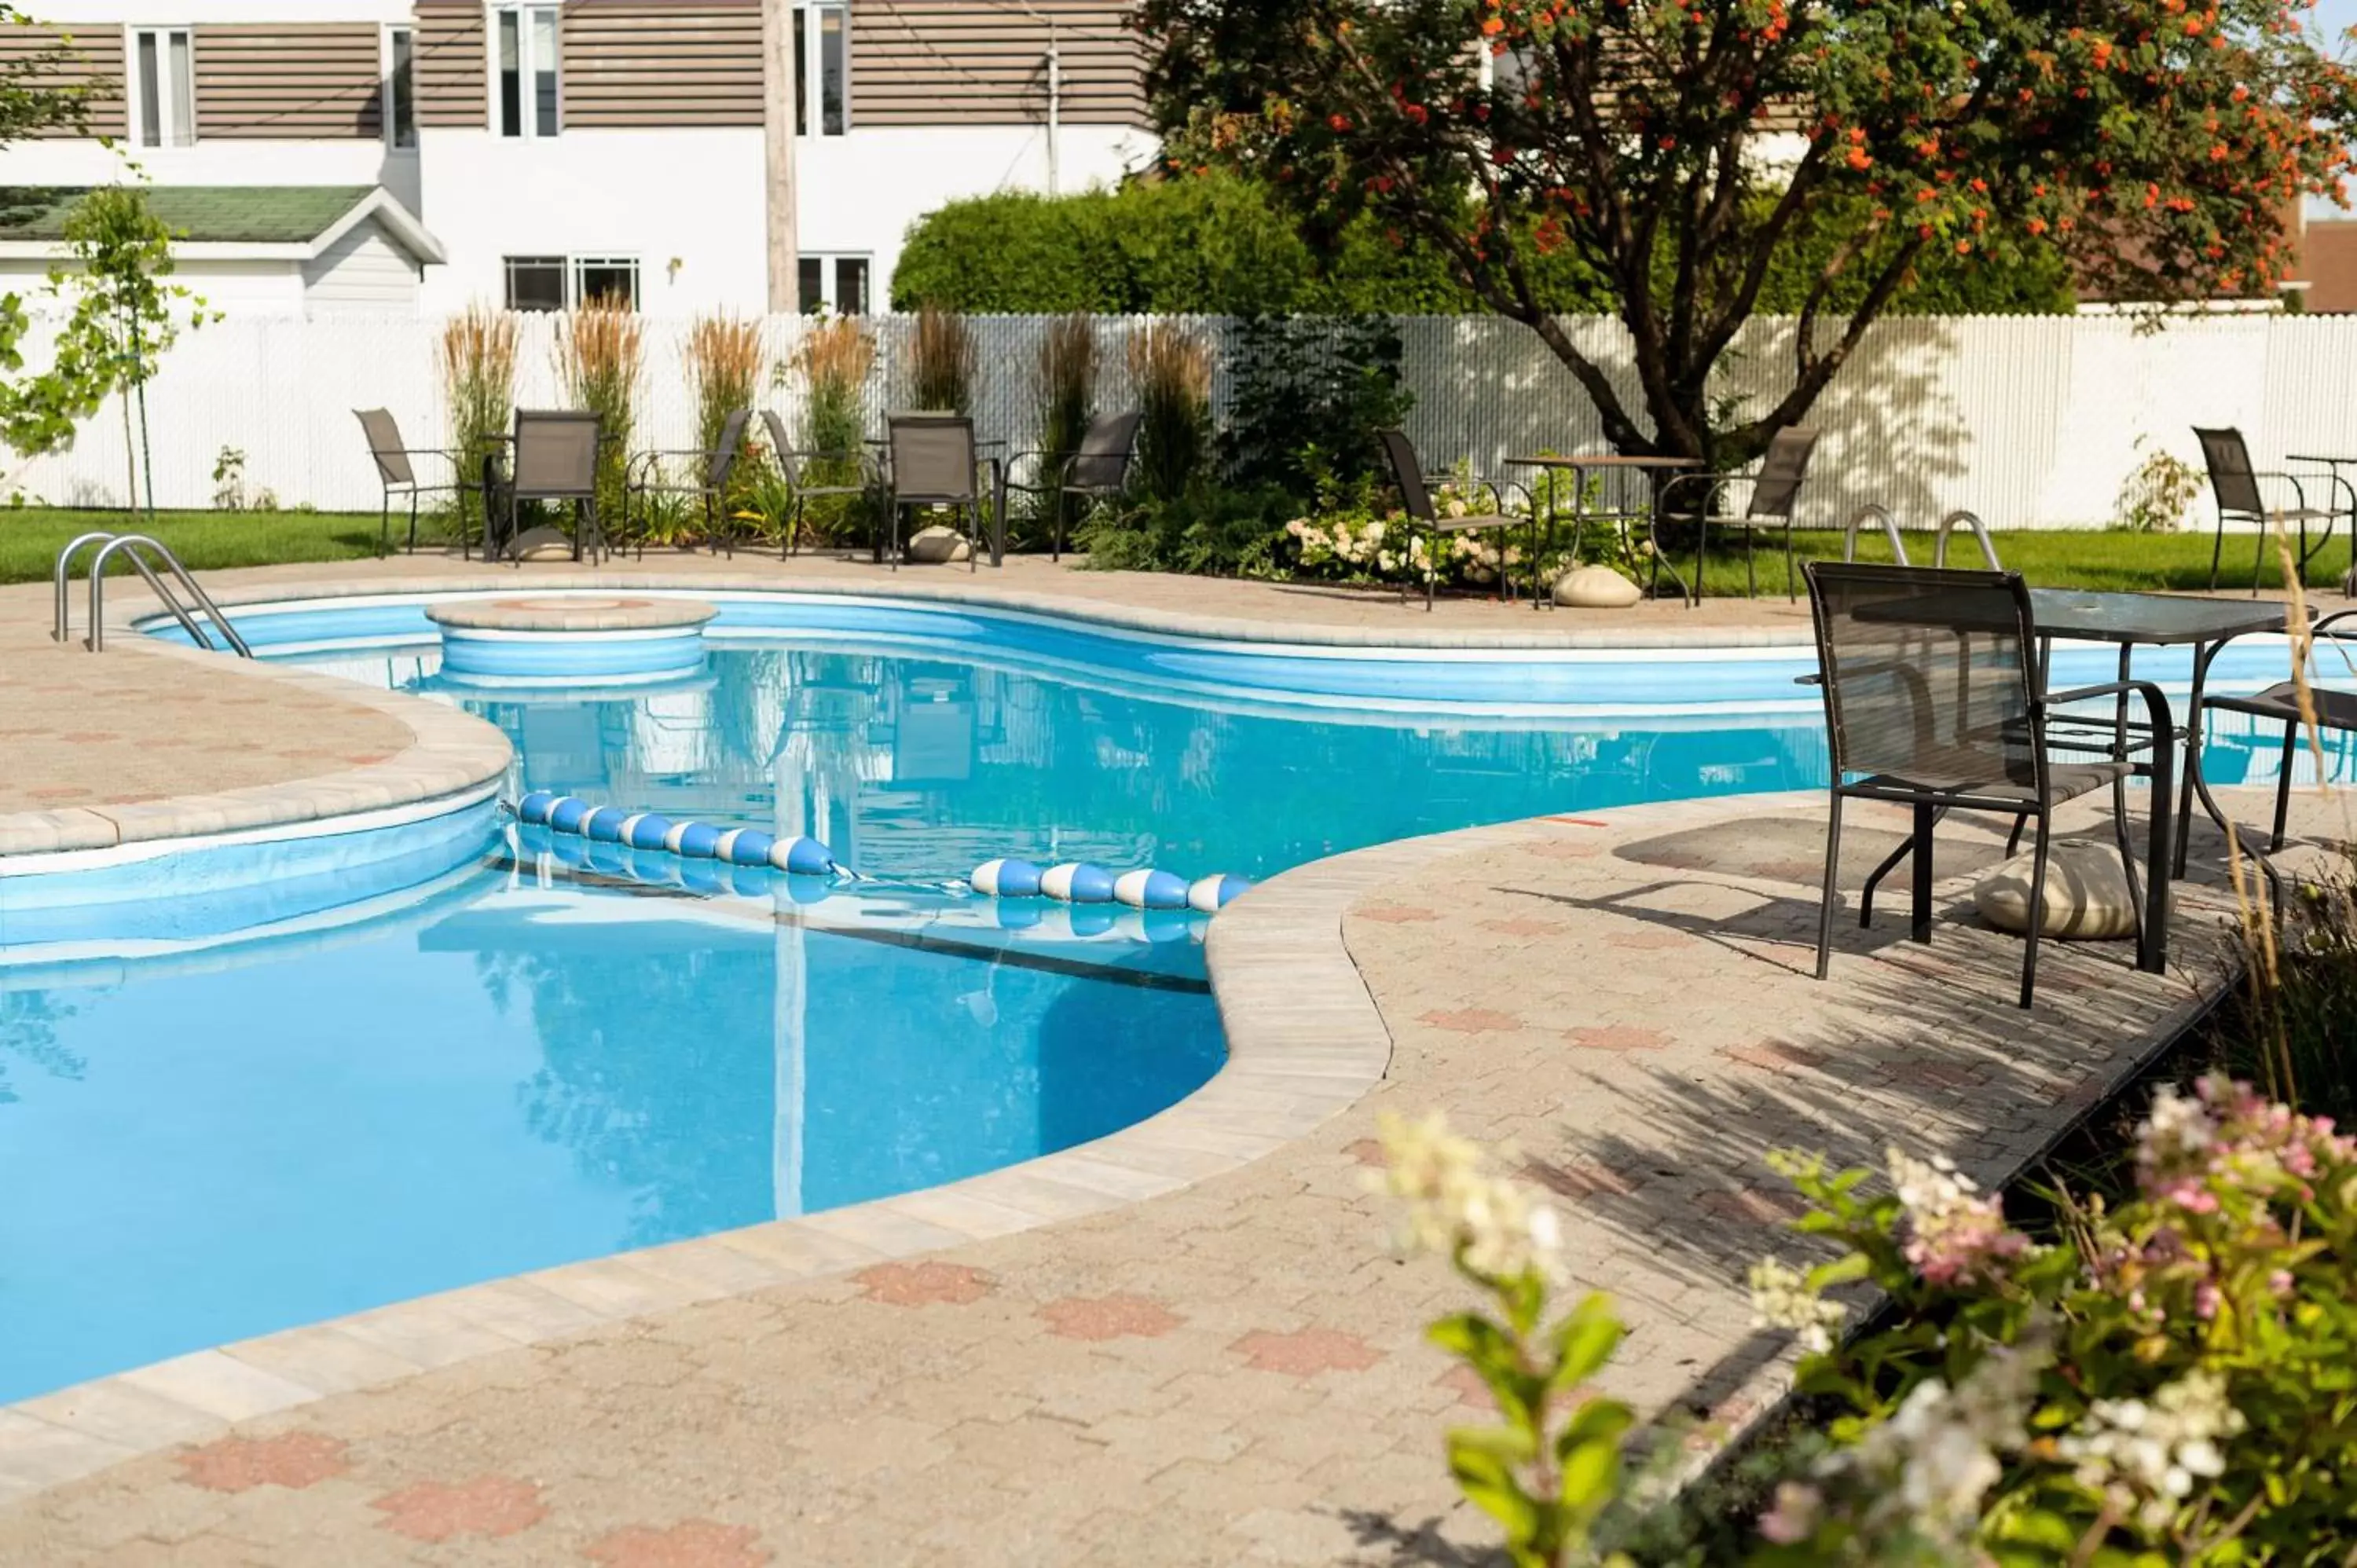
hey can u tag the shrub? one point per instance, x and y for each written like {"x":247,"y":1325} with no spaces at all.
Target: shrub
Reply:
{"x":1206,"y":529}
{"x":478,"y":362}
{"x":2157,"y":492}
{"x":942,"y":359}
{"x":1063,"y":394}
{"x":723,"y":371}
{"x":834,"y":361}
{"x":2172,"y":1376}
{"x":1308,"y":399}
{"x":600,"y":350}
{"x":1171,"y":375}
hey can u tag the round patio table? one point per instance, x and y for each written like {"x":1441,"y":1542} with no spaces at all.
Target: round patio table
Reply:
{"x":1580,"y":466}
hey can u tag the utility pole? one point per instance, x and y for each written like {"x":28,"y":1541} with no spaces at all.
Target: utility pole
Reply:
{"x":781,"y":108}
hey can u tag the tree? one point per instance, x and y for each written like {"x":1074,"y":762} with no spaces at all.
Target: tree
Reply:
{"x":1688,"y":149}
{"x":125,"y":317}
{"x":40,"y":90}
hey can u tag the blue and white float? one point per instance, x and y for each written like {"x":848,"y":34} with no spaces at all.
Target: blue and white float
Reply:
{"x":1080,"y":883}
{"x":1006,"y":879}
{"x":1209,"y":894}
{"x":1077,"y":882}
{"x":1150,"y":889}
{"x":747,"y":848}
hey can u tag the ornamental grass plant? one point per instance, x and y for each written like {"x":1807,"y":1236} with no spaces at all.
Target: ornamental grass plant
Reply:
{"x":600,"y":352}
{"x":478,"y":367}
{"x":1170,"y":373}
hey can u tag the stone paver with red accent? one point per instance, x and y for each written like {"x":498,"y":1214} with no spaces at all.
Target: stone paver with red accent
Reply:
{"x":1231,"y":1372}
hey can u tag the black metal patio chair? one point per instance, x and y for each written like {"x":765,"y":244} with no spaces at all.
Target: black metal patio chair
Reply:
{"x":2334,"y":709}
{"x":397,"y":470}
{"x":1933,"y":702}
{"x":644,"y":480}
{"x":552,"y":457}
{"x":1425,"y":519}
{"x":1775,"y":492}
{"x":932,"y":461}
{"x":2235,"y":485}
{"x":795,"y":464}
{"x":1098,"y":471}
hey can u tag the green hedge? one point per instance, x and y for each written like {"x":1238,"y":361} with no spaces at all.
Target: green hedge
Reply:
{"x":1214,"y":244}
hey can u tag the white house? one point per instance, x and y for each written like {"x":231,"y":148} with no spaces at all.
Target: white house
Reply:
{"x":419,"y":155}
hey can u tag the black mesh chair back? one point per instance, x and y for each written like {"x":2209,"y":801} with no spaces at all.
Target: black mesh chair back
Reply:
{"x":1781,"y":472}
{"x":556,"y":454}
{"x":392,"y":454}
{"x":932,"y":459}
{"x":2232,"y":481}
{"x":722,"y":460}
{"x":1408,"y":474}
{"x":1101,"y":464}
{"x":781,"y":446}
{"x":1928,"y":676}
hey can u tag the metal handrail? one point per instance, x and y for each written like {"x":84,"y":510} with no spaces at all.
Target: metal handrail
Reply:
{"x":64,"y":570}
{"x":1889,"y":527}
{"x":135,"y":547}
{"x":1980,"y":532}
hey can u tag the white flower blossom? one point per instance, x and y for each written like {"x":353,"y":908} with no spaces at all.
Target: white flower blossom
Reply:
{"x":2146,"y":1456}
{"x":1454,"y":1206}
{"x":1781,"y":1299}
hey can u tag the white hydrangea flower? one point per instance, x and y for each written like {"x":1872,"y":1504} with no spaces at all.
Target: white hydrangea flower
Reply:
{"x":1453,"y":1203}
{"x":2146,"y":1456}
{"x":1781,"y":1299}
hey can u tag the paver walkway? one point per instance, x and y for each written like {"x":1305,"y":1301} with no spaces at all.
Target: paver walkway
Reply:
{"x":1233,"y":1372}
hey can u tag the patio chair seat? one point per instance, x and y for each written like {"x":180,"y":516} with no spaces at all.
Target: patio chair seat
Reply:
{"x":1966,"y":774}
{"x":2334,"y":710}
{"x":1469,"y":524}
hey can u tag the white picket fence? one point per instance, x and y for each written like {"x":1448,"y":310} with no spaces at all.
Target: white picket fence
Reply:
{"x":2028,"y":420}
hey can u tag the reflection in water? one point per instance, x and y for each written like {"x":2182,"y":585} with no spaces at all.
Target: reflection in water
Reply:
{"x":917,"y":768}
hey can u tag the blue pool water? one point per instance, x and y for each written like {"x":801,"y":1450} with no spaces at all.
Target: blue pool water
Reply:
{"x":274,"y":1106}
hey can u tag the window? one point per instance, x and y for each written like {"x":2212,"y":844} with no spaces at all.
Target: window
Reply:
{"x":569,"y":283}
{"x":834,"y":284}
{"x":166,"y":90}
{"x":536,"y":282}
{"x":400,"y":86}
{"x":606,"y":280}
{"x":527,"y":70}
{"x":821,"y":32}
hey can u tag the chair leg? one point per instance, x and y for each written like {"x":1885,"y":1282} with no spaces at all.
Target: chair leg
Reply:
{"x":1825,"y":905}
{"x":1750,"y":562}
{"x":2012,"y":839}
{"x":384,"y":527}
{"x":2037,"y":912}
{"x":2259,"y":561}
{"x":2283,"y":785}
{"x":1926,"y":817}
{"x":413,"y":522}
{"x":1791,"y":574}
{"x":1701,"y":547}
{"x":2217,"y":553}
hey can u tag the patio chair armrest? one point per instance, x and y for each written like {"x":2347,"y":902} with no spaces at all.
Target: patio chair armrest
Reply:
{"x":2156,"y":703}
{"x":2298,"y":491}
{"x":2323,"y":627}
{"x":1808,"y":679}
{"x":2334,"y":480}
{"x":1498,"y":489}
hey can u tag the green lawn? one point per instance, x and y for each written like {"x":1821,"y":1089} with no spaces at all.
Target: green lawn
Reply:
{"x":30,"y":538}
{"x":2049,"y":558}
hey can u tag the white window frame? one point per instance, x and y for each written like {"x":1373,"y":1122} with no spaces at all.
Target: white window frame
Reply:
{"x":809,"y":109}
{"x":830,"y":278}
{"x":527,"y":68}
{"x":389,"y":61}
{"x":172,"y":88}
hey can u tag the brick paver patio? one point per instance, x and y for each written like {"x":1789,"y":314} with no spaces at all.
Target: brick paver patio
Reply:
{"x":1229,"y":1372}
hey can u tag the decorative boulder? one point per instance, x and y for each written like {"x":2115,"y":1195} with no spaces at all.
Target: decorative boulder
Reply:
{"x":935,"y":546}
{"x":2087,"y":894}
{"x":542,"y":545}
{"x":1596,"y":588}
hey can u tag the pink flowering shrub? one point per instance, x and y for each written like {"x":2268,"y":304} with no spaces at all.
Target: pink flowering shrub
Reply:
{"x":2175,"y":1380}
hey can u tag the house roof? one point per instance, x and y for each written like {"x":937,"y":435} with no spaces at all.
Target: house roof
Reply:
{"x":227,"y":220}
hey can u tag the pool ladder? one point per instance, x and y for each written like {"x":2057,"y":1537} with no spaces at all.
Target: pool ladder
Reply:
{"x":1880,"y":516}
{"x":138,"y":549}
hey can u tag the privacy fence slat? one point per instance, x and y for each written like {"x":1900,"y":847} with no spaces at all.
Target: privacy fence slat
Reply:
{"x":2029,"y":421}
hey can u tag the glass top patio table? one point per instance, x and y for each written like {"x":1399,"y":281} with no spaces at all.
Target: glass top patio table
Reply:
{"x":2153,"y":620}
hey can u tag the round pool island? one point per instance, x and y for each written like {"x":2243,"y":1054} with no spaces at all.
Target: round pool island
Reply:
{"x":617,"y":640}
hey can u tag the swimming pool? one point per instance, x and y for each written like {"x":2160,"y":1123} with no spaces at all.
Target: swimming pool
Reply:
{"x":257,"y":1107}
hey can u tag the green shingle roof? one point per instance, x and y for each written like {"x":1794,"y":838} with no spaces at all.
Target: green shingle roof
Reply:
{"x":254,"y":214}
